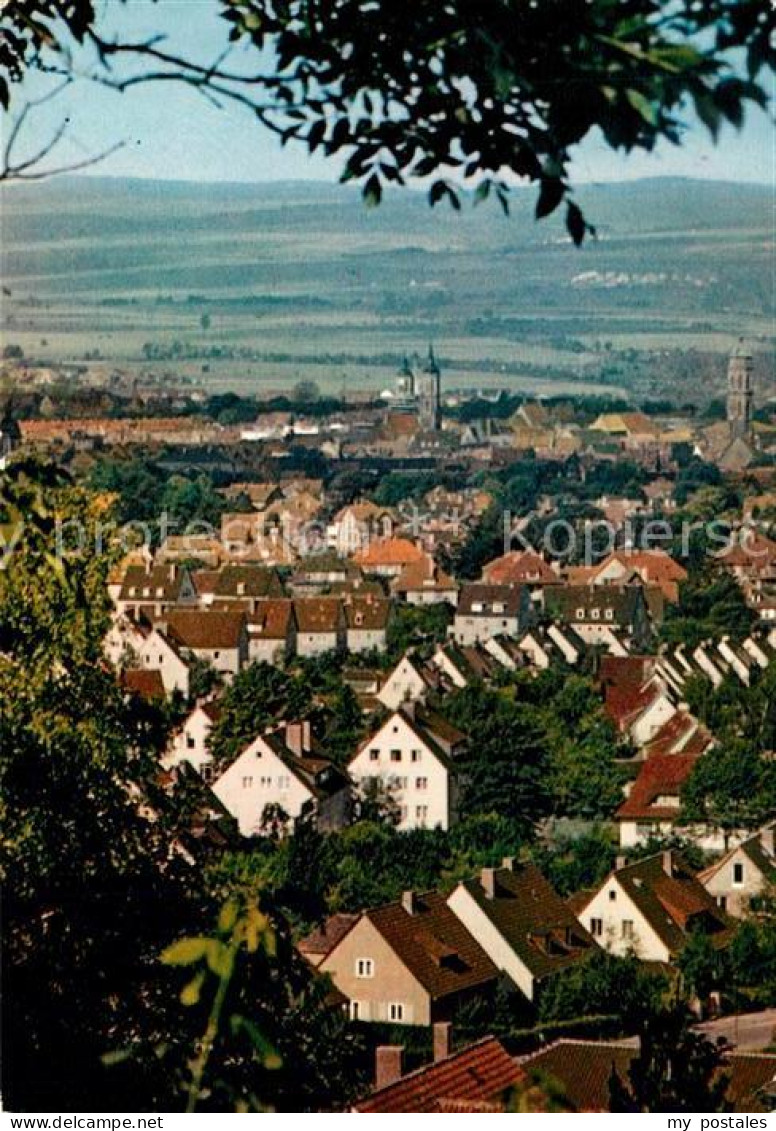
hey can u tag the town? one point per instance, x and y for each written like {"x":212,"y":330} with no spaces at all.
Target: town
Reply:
{"x":478,"y":688}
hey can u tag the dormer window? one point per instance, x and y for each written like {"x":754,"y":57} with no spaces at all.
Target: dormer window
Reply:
{"x":580,"y":614}
{"x":610,"y":614}
{"x":595,"y":614}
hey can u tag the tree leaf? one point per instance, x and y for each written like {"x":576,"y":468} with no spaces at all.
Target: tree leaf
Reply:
{"x":373,"y":191}
{"x":186,"y":952}
{"x":575,"y":223}
{"x":550,"y":196}
{"x":642,"y":105}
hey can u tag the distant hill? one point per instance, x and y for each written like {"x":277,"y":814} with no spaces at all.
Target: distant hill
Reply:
{"x":303,"y":269}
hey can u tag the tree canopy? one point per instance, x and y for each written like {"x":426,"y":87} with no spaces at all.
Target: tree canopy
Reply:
{"x":459,"y":93}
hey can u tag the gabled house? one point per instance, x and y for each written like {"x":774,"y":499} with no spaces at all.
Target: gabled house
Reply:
{"x":159,"y":652}
{"x":593,"y":610}
{"x":521,"y":567}
{"x":151,"y":590}
{"x":652,"y":567}
{"x":221,"y":638}
{"x":490,"y":610}
{"x":409,"y":682}
{"x":653,"y":806}
{"x":269,"y":782}
{"x":366,"y":623}
{"x":411,"y":755}
{"x":411,"y":962}
{"x":521,"y":923}
{"x":318,"y":573}
{"x":354,"y":527}
{"x":424,"y":583}
{"x":320,"y":625}
{"x":190,"y":743}
{"x":462,"y":665}
{"x":389,"y":557}
{"x":636,"y":698}
{"x":744,"y":874}
{"x":651,"y":908}
{"x":272,"y":631}
{"x":246,"y":585}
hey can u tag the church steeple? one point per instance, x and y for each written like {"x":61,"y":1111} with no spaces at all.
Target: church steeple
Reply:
{"x":740,"y":392}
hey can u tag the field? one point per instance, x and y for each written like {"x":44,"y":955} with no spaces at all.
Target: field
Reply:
{"x":256,"y":287}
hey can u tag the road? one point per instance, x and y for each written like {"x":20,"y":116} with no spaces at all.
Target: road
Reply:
{"x":746,"y":1030}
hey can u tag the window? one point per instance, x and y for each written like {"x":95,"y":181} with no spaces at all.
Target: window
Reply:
{"x":421,"y":813}
{"x":354,"y":1009}
{"x":374,"y":755}
{"x":722,"y":902}
{"x":247,"y":782}
{"x":190,"y":742}
{"x":216,"y":655}
{"x":738,"y":873}
{"x":265,"y":781}
{"x":207,"y":773}
{"x":421,"y":783}
{"x":415,"y":755}
{"x":610,"y":614}
{"x":161,"y":658}
{"x":613,"y":894}
{"x":284,"y":781}
{"x":365,"y":968}
{"x":396,"y":755}
{"x":396,"y":1011}
{"x":596,"y":928}
{"x":580,"y":614}
{"x":595,"y":614}
{"x":627,"y":928}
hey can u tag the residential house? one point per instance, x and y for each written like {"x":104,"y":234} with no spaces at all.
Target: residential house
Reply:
{"x":652,"y":567}
{"x":593,"y":611}
{"x":220,"y":638}
{"x":278,"y":778}
{"x":356,"y":526}
{"x":160,"y":652}
{"x":637,"y":698}
{"x":490,"y":610}
{"x":389,"y":557}
{"x":409,"y":682}
{"x":522,"y":567}
{"x":272,"y":631}
{"x":461,"y":666}
{"x":521,"y":923}
{"x":424,"y":583}
{"x":190,"y":743}
{"x":244,"y":586}
{"x":146,"y":684}
{"x":744,"y":874}
{"x":412,"y":756}
{"x":320,"y":625}
{"x":318,"y":573}
{"x":651,"y":908}
{"x":411,"y":962}
{"x":150,"y":590}
{"x":366,"y":623}
{"x":654,"y":803}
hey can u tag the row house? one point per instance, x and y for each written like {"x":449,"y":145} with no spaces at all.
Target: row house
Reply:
{"x":134,"y":645}
{"x":151,"y":590}
{"x":744,"y":875}
{"x":191,"y":743}
{"x":594,"y":611}
{"x":272,"y":631}
{"x":219,"y":638}
{"x":412,"y":756}
{"x":389,"y":557}
{"x":424,"y":583}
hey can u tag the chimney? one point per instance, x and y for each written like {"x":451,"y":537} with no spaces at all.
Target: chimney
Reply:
{"x":768,"y":840}
{"x":508,"y":863}
{"x":298,"y":738}
{"x":442,"y":1034}
{"x":488,"y":881}
{"x":668,"y":862}
{"x":620,"y":862}
{"x":409,"y":902}
{"x":388,"y":1065}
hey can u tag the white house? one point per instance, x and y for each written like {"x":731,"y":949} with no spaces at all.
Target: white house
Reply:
{"x":407,"y":683}
{"x":159,"y":653}
{"x":651,"y":908}
{"x":190,"y":743}
{"x":268,"y":775}
{"x":412,"y":759}
{"x":272,"y":631}
{"x":221,"y":638}
{"x":743,"y":874}
{"x":320,"y":624}
{"x":366,"y":623}
{"x":521,"y":923}
{"x":490,"y":610}
{"x":355,"y":526}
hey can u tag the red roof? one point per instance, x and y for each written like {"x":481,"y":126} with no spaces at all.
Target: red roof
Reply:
{"x":518,"y":568}
{"x":662,"y":775}
{"x":481,"y":1074}
{"x":389,"y":552}
{"x":149,"y":684}
{"x":626,"y":687}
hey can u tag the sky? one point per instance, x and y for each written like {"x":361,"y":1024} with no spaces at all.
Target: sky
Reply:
{"x":171,"y":132}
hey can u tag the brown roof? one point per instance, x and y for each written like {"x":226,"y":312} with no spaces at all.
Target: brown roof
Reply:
{"x":661,"y":775}
{"x":533,"y":919}
{"x":321,"y":941}
{"x":149,"y":684}
{"x":491,"y":600}
{"x":389,"y":552}
{"x":205,"y":629}
{"x":424,"y":575}
{"x":584,"y":1070}
{"x":272,"y":619}
{"x":164,"y":580}
{"x":434,"y":945}
{"x":248,"y":581}
{"x":318,"y":614}
{"x":518,"y":568}
{"x":481,"y":1074}
{"x":673,"y":904}
{"x":367,"y":613}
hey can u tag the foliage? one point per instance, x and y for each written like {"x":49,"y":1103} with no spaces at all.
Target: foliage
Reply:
{"x":603,"y":985}
{"x":420,"y":627}
{"x":257,"y":698}
{"x":675,"y":1070}
{"x":711,"y":604}
{"x":732,"y":786}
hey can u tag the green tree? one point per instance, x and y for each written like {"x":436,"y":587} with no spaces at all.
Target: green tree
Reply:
{"x":257,"y":698}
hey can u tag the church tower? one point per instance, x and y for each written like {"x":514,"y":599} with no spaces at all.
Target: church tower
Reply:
{"x":739,"y":396}
{"x":429,"y":394}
